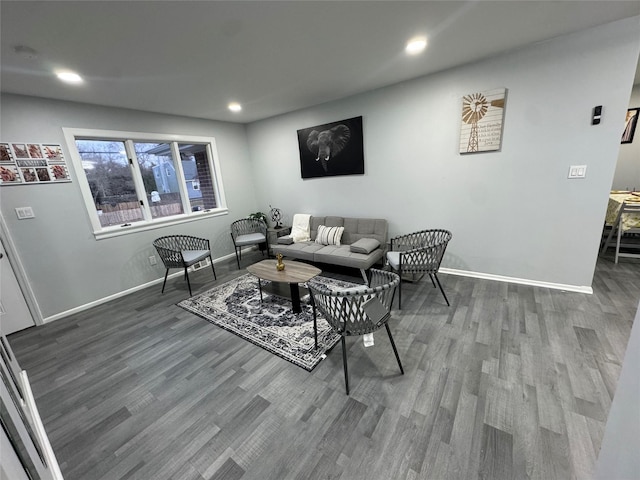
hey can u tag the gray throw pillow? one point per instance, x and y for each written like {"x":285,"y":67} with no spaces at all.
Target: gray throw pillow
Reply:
{"x":285,"y":240}
{"x":365,"y":245}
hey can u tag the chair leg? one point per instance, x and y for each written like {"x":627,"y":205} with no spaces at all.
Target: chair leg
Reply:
{"x":441,"y":289}
{"x":395,"y":350}
{"x":213,"y":268}
{"x":344,"y":363}
{"x":165,"y":279}
{"x":432,"y":281}
{"x":188,"y":282}
{"x":237,"y":256}
{"x":400,"y":294}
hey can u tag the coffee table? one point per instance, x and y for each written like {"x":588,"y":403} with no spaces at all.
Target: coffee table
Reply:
{"x":293,"y":274}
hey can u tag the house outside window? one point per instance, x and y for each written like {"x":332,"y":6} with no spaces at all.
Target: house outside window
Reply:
{"x":137,"y":181}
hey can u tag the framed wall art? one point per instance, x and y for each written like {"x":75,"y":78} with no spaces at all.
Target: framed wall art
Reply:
{"x":332,"y":149}
{"x":481,"y":121}
{"x":32,"y":163}
{"x":630,"y":124}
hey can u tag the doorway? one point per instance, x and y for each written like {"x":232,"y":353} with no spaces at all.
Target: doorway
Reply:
{"x":14,"y":311}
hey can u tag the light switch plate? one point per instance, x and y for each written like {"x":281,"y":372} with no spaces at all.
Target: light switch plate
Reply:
{"x":24,"y":212}
{"x":577,"y":171}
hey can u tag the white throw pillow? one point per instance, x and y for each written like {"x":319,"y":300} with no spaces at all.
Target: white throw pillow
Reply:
{"x":329,"y":235}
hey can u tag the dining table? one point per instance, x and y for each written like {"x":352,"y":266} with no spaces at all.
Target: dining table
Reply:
{"x":618,"y":198}
{"x":623,"y":217}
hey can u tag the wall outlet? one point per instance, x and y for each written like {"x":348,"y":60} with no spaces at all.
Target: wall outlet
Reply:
{"x":152,"y":260}
{"x":201,"y":264}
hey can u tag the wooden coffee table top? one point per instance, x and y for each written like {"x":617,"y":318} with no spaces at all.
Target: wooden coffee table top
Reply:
{"x":294,"y":272}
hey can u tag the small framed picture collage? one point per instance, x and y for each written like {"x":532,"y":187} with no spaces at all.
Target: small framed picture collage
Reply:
{"x":32,"y":163}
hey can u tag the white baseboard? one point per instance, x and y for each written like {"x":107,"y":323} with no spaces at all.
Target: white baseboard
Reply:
{"x":520,"y":281}
{"x":450,"y":271}
{"x":123,"y":293}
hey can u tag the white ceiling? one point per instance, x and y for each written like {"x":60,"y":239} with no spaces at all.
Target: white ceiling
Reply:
{"x":193,"y":58}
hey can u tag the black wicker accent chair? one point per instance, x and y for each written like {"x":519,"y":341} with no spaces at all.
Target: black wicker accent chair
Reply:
{"x":419,"y":253}
{"x":357,"y":311}
{"x":246,"y":232}
{"x":182,"y":251}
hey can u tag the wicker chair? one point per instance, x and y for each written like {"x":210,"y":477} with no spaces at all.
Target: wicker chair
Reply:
{"x":357,"y":311}
{"x":182,"y":251}
{"x":418,"y":253}
{"x":246,"y":232}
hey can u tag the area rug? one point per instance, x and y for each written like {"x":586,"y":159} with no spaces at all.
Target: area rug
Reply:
{"x":270,"y":324}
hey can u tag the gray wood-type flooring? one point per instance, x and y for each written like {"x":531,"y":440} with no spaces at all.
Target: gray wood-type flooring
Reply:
{"x":510,"y":382}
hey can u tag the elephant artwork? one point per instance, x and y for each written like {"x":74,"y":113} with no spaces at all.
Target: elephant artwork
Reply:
{"x":332,"y":149}
{"x":328,"y":143}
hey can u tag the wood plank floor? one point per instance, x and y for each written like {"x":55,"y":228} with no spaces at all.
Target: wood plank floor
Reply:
{"x":510,"y":382}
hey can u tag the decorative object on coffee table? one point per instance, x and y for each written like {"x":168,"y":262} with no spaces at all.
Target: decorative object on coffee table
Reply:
{"x":279,"y":265}
{"x":297,"y":272}
{"x":268,"y":323}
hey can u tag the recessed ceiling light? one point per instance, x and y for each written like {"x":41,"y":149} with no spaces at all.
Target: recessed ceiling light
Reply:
{"x":416,"y":45}
{"x":69,"y":77}
{"x":235,"y":107}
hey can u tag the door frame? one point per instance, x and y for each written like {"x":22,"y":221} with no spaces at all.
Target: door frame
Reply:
{"x":19,"y":272}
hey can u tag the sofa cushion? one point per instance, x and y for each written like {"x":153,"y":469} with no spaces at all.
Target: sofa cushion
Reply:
{"x":300,"y":250}
{"x":329,"y":235}
{"x":365,"y":245}
{"x":343,"y":256}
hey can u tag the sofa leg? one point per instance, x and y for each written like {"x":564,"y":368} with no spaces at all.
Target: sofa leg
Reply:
{"x":364,"y":276}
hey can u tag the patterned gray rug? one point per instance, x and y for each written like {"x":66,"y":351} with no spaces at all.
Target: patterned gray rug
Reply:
{"x":270,"y":324}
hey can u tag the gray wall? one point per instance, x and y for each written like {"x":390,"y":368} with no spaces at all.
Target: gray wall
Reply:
{"x":513,"y":213}
{"x":627,"y":176}
{"x":66,"y":267}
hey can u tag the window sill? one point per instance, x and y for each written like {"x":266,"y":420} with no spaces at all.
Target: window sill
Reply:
{"x":118,"y":230}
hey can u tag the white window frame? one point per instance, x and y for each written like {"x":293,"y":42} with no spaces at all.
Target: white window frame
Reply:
{"x":129,"y":138}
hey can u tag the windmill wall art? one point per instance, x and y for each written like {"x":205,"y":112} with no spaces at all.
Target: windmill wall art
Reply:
{"x":481,"y":125}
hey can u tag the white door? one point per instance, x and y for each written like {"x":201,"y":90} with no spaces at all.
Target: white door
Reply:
{"x":14,"y":313}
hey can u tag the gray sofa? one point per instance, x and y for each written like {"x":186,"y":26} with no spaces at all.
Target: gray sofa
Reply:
{"x":361,"y":233}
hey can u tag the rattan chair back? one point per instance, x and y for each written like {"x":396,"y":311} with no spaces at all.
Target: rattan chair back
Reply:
{"x":345,"y":310}
{"x":246,"y":226}
{"x":421,"y":252}
{"x":357,"y":311}
{"x":170,"y":248}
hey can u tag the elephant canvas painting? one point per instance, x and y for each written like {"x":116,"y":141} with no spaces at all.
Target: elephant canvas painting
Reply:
{"x":332,"y":149}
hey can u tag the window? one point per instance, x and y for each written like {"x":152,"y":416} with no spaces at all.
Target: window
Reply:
{"x":136,"y":181}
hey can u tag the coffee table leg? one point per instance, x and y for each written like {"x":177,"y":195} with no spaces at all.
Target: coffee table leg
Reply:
{"x":260,"y":288}
{"x":315,"y":320}
{"x":295,"y":297}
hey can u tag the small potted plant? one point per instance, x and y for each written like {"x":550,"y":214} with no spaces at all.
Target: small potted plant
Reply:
{"x":260,"y":216}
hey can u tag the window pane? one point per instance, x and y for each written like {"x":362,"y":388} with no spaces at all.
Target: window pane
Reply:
{"x":106,"y":166}
{"x":198,"y":176}
{"x":159,"y":178}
